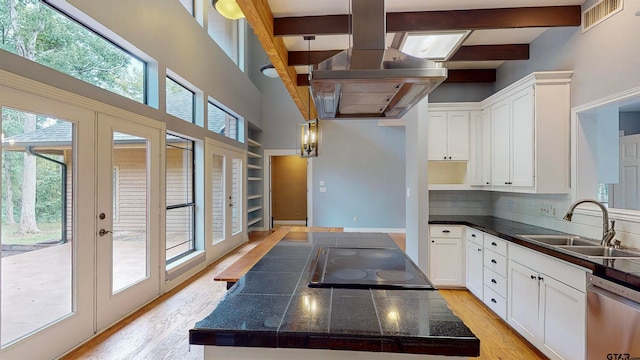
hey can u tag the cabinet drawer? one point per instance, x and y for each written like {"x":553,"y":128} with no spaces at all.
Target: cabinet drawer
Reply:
{"x":495,"y":244}
{"x":443,"y":231}
{"x":496,"y":282}
{"x":474,"y":236}
{"x":495,"y":262}
{"x":495,"y":302}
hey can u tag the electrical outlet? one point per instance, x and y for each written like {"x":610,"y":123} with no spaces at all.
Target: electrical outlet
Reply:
{"x":355,"y":219}
{"x":510,"y":204}
{"x":454,"y":201}
{"x":546,"y":210}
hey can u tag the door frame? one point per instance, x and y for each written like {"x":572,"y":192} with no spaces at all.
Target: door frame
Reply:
{"x":111,"y":307}
{"x":267,"y":185}
{"x":219,"y":249}
{"x":26,"y":95}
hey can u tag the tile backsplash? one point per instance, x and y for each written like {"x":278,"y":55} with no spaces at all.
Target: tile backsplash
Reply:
{"x":539,"y":210}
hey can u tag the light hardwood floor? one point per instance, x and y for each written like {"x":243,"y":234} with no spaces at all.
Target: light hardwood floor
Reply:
{"x":160,"y":330}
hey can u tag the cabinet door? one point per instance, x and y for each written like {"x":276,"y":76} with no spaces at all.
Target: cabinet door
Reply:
{"x":486,"y":146}
{"x":522,"y":131}
{"x":501,"y":140}
{"x":437,"y":137}
{"x":458,"y":135}
{"x":524,"y":298}
{"x":563,"y":317}
{"x":475,"y":148}
{"x":474,"y":269}
{"x":445,"y":262}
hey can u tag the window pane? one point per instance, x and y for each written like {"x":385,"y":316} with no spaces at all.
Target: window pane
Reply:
{"x":42,"y":34}
{"x":179,"y":101}
{"x":37,"y":217}
{"x":180,"y":220}
{"x":218,"y":202}
{"x":224,"y":32}
{"x":130,"y":240}
{"x":223,"y":123}
{"x":236,"y":195}
{"x":179,"y":231}
{"x":179,"y":170}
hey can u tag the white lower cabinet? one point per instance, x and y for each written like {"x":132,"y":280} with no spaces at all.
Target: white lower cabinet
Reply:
{"x":446,"y":256}
{"x":474,"y":262}
{"x":547,"y":303}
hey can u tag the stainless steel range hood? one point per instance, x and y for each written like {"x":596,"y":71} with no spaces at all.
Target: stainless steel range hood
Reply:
{"x":368,"y":80}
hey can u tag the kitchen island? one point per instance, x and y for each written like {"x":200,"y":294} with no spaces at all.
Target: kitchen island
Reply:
{"x":272,"y":313}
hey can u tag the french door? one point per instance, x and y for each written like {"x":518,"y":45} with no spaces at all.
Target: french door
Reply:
{"x":127,"y":214}
{"x":226,"y":193}
{"x":48,"y":186}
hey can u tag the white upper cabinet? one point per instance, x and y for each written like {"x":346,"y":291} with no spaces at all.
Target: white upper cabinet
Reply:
{"x":448,"y":135}
{"x":530,"y":138}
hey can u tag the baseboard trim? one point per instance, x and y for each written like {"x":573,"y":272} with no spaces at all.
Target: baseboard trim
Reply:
{"x":376,"y":230}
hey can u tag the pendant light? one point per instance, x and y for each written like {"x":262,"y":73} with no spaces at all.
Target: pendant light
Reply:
{"x":310,"y":130}
{"x":228,"y":8}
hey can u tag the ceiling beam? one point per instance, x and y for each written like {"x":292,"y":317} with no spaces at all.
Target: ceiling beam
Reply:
{"x":455,"y":76}
{"x":259,"y":15}
{"x":491,"y":52}
{"x":465,"y":53}
{"x":477,"y":19}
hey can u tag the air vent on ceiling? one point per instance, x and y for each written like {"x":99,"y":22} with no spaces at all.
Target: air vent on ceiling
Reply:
{"x":599,"y":12}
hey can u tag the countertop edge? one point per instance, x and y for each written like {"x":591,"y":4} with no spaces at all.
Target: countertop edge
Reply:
{"x":448,"y":346}
{"x":628,"y":279}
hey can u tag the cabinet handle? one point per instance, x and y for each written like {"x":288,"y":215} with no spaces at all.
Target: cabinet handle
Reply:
{"x":494,"y":281}
{"x":479,"y":249}
{"x":493,"y":243}
{"x":473,"y":235}
{"x":533,"y":277}
{"x":487,"y":183}
{"x":446,"y":231}
{"x":445,"y":158}
{"x":494,"y":301}
{"x":449,"y":157}
{"x":540,"y":278}
{"x":494,"y":261}
{"x":433,"y":241}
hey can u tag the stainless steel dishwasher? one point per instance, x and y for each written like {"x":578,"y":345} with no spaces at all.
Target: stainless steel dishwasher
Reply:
{"x":613,"y":320}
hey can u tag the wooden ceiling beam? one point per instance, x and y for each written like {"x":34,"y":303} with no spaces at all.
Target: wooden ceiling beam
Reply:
{"x":259,"y":15}
{"x":491,"y":52}
{"x":477,"y":19}
{"x":455,"y":76}
{"x":465,"y":53}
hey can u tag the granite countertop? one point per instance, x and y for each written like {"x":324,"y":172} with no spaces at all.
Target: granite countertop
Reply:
{"x":626,"y":272}
{"x":272,"y":306}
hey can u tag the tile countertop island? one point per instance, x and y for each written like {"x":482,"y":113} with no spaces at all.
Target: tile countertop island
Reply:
{"x":271,"y":313}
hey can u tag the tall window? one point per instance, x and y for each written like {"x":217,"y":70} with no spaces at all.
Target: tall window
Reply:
{"x":180,"y":101}
{"x":180,"y":218}
{"x":38,"y":32}
{"x":223,"y":123}
{"x":226,"y":33}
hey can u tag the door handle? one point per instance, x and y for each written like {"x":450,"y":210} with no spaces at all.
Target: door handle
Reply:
{"x":103,"y":232}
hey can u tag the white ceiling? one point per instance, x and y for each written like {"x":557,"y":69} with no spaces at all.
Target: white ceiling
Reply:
{"x":290,"y":8}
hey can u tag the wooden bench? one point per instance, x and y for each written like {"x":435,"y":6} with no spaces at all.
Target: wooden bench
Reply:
{"x":237,"y":270}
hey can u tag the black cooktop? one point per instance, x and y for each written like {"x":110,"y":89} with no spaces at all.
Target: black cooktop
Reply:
{"x":367,"y":268}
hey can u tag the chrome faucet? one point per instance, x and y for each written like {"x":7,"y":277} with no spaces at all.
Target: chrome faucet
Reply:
{"x":608,"y":232}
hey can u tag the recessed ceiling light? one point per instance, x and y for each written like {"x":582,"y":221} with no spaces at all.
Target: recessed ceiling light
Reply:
{"x":438,"y":46}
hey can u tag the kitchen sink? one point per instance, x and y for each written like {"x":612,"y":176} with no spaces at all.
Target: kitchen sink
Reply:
{"x":561,"y":240}
{"x":603,"y":252}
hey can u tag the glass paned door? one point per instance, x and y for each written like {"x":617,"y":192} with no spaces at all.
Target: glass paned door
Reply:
{"x":227,"y":196}
{"x":127,"y":212}
{"x":45,"y":279}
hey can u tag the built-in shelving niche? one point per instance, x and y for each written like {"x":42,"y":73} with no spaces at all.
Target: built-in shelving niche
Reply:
{"x":255,"y":179}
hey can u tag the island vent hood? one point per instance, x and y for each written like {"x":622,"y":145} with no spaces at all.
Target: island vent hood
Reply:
{"x":367,"y":80}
